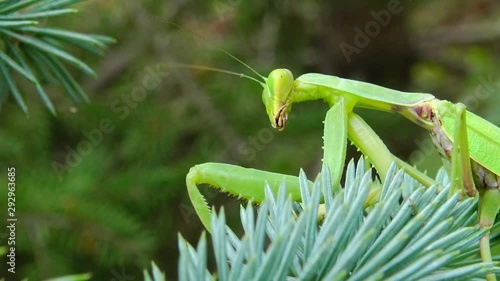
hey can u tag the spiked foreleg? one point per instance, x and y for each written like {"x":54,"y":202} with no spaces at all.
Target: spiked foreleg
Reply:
{"x":238,"y":181}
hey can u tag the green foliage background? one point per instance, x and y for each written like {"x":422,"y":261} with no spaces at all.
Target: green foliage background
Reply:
{"x":122,"y":204}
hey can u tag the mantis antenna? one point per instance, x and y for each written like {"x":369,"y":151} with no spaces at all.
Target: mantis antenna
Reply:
{"x":203,"y":67}
{"x":220,"y":49}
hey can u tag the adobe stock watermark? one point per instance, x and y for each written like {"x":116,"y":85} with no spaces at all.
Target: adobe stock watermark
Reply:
{"x":122,"y":107}
{"x":121,"y":276}
{"x":363,"y":37}
{"x":222,"y":7}
{"x":256,"y":144}
{"x":486,"y":88}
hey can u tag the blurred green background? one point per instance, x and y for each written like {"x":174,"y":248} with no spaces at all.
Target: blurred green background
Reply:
{"x":122,"y":203}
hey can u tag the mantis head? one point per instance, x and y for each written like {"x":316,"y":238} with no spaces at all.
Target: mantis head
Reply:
{"x":276,"y":96}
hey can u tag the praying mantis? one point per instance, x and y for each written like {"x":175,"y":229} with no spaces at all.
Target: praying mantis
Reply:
{"x":470,"y":143}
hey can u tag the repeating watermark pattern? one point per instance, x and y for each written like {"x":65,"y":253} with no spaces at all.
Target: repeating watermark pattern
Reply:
{"x":256,"y":144}
{"x":485,"y":89}
{"x":363,"y":37}
{"x":122,"y":107}
{"x":11,"y":219}
{"x":121,"y":276}
{"x":223,"y":7}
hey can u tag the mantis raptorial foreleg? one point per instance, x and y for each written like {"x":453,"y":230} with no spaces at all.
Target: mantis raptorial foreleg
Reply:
{"x":239,"y":181}
{"x":335,"y":140}
{"x":249,"y":183}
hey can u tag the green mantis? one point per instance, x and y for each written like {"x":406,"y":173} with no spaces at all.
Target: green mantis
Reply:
{"x":469,"y":142}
